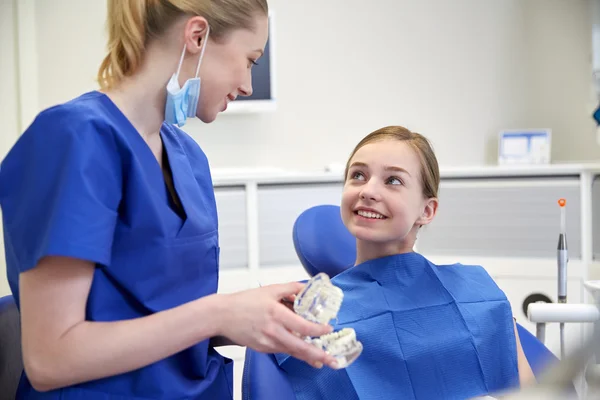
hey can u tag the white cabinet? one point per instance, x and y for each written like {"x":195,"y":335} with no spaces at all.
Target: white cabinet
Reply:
{"x":278,"y":208}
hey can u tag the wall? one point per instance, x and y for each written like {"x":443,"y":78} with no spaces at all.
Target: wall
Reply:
{"x":558,"y":37}
{"x":8,"y":102}
{"x":457,"y":71}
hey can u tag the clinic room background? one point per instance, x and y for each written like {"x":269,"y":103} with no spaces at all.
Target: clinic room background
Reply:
{"x":458,"y":71}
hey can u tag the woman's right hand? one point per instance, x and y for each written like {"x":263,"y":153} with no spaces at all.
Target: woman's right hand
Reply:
{"x":256,"y":318}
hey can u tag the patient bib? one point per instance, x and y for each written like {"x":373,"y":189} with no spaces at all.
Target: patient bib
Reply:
{"x":428,"y":331}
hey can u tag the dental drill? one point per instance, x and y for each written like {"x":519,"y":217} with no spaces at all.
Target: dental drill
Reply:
{"x":562,"y":260}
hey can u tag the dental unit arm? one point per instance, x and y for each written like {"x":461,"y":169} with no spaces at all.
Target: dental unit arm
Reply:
{"x":562,"y":312}
{"x":558,"y":379}
{"x":583,"y":360}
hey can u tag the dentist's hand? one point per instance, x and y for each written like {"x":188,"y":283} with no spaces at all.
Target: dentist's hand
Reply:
{"x":258,"y":319}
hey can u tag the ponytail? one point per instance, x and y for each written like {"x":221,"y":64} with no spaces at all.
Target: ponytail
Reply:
{"x":126,"y":26}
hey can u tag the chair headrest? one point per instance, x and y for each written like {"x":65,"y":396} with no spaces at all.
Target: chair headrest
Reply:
{"x":322,"y":242}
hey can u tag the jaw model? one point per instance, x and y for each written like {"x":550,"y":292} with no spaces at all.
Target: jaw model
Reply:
{"x":320,"y":302}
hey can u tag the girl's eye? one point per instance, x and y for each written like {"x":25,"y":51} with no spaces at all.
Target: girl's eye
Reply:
{"x":357,"y":175}
{"x":394,"y":180}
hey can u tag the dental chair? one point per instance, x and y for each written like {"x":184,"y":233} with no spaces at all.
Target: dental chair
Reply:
{"x":11,"y":364}
{"x":323,"y":244}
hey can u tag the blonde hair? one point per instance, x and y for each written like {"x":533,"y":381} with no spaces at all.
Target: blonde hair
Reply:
{"x":430,"y":172}
{"x":132,"y":23}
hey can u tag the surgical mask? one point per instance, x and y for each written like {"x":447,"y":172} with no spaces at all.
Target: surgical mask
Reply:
{"x":182,"y":102}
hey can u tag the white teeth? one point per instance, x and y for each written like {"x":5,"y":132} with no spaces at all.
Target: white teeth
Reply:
{"x":369,"y":214}
{"x":342,"y":345}
{"x":320,"y":302}
{"x":346,"y":334}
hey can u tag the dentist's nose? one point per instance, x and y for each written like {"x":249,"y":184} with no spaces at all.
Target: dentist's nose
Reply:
{"x":246,"y":88}
{"x":245,"y":91}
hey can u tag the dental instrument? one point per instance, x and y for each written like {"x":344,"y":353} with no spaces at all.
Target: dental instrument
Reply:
{"x":562,"y":260}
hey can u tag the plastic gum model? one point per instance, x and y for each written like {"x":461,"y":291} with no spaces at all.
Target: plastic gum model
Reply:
{"x":320,"y":302}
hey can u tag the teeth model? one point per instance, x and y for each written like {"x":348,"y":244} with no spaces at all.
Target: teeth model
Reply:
{"x":342,"y":345}
{"x":320,"y":302}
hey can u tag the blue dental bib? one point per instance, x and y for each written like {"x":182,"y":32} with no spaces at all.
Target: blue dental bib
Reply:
{"x":428,"y":331}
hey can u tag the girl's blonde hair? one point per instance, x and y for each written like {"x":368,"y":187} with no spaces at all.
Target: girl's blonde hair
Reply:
{"x":132,"y":23}
{"x":430,"y":172}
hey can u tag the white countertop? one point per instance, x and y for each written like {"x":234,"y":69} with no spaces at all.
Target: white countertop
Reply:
{"x":521,"y":170}
{"x":266,"y":175}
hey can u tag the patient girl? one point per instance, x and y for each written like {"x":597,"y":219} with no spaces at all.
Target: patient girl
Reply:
{"x":428,"y":331}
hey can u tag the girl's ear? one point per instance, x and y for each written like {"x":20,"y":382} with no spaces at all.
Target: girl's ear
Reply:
{"x":429,"y":211}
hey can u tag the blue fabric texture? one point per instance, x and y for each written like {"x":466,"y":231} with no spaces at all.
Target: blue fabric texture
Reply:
{"x":428,"y":331}
{"x":81,"y":182}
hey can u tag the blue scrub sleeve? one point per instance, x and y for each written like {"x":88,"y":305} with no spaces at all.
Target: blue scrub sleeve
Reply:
{"x":60,"y":188}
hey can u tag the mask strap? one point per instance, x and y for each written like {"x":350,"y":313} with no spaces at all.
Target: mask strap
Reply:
{"x":202,"y":51}
{"x":181,"y":60}
{"x":201,"y":55}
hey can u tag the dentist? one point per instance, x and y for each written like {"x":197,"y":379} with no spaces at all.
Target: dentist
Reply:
{"x":111,"y":232}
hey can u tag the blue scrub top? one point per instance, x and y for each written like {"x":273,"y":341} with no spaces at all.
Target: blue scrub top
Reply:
{"x":81,"y":182}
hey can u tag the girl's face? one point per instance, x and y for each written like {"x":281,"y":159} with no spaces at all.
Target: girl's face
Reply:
{"x":382,"y":203}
